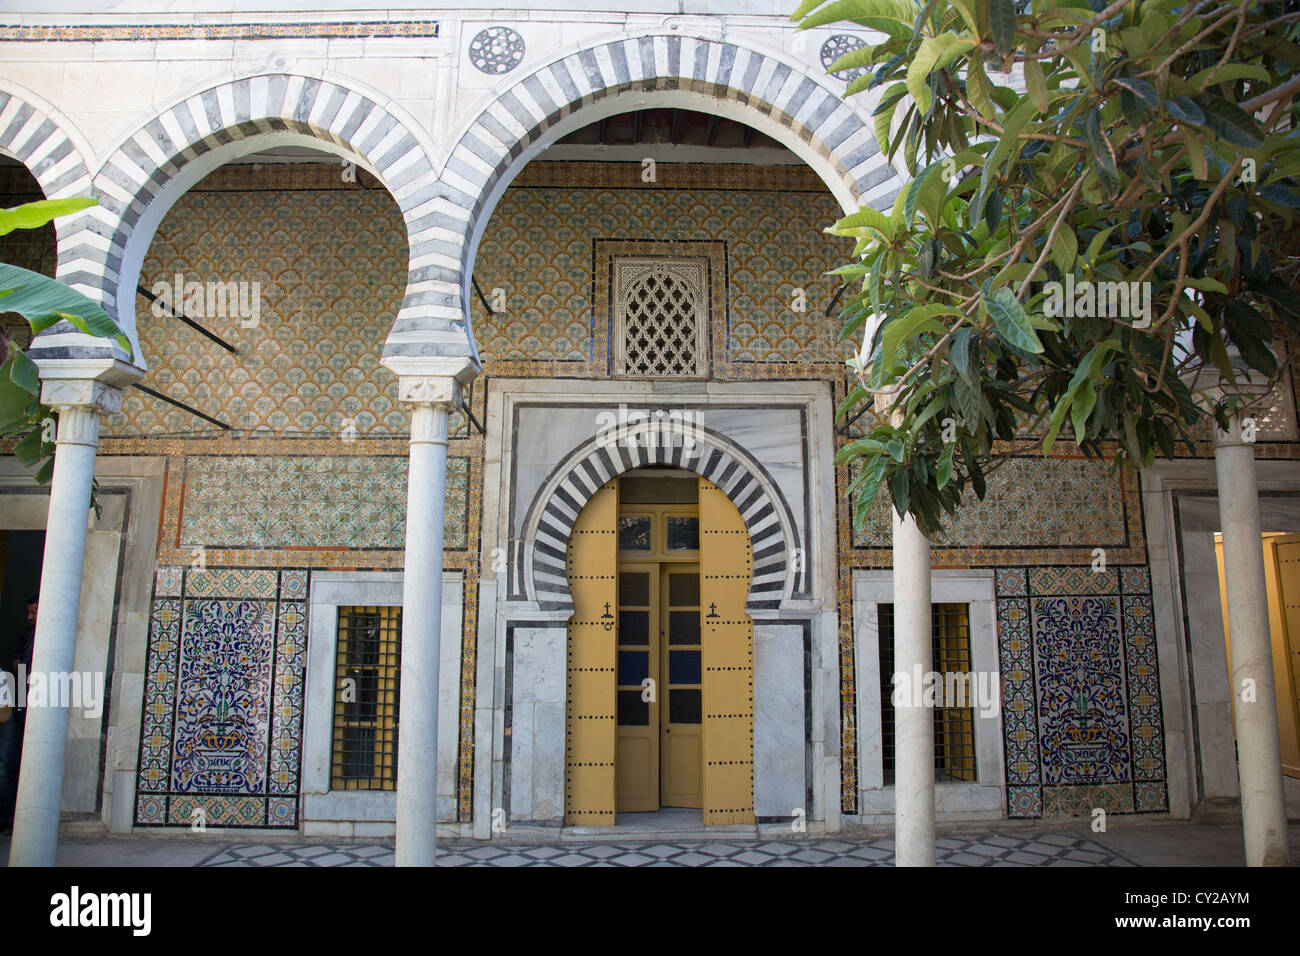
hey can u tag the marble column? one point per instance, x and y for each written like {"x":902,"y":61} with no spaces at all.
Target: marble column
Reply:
{"x":913,"y":717}
{"x":1254,"y":707}
{"x":40,"y":788}
{"x":914,"y":833}
{"x":431,"y":399}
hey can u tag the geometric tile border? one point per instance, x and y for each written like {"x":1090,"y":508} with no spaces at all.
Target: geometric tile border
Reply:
{"x":1109,"y":743}
{"x":221,"y":726}
{"x":984,"y":849}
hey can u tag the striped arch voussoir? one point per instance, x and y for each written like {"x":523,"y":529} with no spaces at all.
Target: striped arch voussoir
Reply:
{"x":521,"y":115}
{"x":247,"y":109}
{"x":571,"y":485}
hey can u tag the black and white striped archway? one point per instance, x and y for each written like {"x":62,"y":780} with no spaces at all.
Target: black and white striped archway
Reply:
{"x":152,"y":167}
{"x":571,"y":484}
{"x":775,"y":96}
{"x":38,"y":137}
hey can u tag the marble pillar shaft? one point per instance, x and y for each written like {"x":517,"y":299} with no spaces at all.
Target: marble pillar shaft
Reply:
{"x":40,"y":787}
{"x":1259,"y":755}
{"x":417,"y":765}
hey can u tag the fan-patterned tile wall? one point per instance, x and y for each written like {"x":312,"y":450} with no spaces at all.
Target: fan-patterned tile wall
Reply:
{"x":535,"y":263}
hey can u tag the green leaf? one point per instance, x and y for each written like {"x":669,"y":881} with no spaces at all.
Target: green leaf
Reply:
{"x":1002,"y":21}
{"x":23,"y":372}
{"x":28,"y":450}
{"x":1139,"y":88}
{"x":859,"y":447}
{"x":17,"y":404}
{"x":1011,"y":322}
{"x":978,"y":88}
{"x":1066,"y":249}
{"x":1035,"y":83}
{"x":858,"y":394}
{"x":1014,"y":123}
{"x":921,"y":318}
{"x":1206,"y":284}
{"x":865,"y":219}
{"x":44,"y":302}
{"x":1084,"y":402}
{"x":944,"y":471}
{"x":33,"y":215}
{"x":1104,"y":154}
{"x":1229,"y":122}
{"x":899,"y":488}
{"x":1229,"y":73}
{"x":893,"y":17}
{"x":868,"y":489}
{"x":1196,"y":153}
{"x":1184,"y":110}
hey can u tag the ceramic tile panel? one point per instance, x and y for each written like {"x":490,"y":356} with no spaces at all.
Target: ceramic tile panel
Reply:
{"x":334,"y":501}
{"x":1082,"y":718}
{"x":1083,"y":725}
{"x":104,"y":33}
{"x":544,"y":282}
{"x":223,"y":701}
{"x":1058,"y":503}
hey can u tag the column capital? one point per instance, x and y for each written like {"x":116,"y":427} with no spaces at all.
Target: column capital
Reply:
{"x":96,"y":385}
{"x":461,"y":370}
{"x":429,"y":390}
{"x":1233,"y":436}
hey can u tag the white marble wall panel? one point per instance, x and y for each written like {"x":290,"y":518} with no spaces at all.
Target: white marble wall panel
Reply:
{"x":537,"y":725}
{"x":780,"y":725}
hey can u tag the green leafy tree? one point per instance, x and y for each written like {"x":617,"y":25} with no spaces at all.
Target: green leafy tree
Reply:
{"x":1055,"y":147}
{"x":43,"y":302}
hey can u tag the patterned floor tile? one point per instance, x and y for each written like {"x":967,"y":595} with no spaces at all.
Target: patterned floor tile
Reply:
{"x":976,"y":849}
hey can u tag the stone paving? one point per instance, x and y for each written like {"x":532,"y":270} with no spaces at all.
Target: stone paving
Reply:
{"x":984,"y":849}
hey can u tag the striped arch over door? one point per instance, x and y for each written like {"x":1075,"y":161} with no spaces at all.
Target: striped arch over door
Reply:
{"x":778,"y":572}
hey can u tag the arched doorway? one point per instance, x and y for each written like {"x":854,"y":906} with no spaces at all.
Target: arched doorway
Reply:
{"x":660,"y":659}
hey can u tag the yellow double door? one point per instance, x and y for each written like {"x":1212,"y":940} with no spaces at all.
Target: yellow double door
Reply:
{"x":660,"y":660}
{"x":659,"y":744}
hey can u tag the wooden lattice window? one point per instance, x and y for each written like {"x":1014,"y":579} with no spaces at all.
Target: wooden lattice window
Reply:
{"x":368,"y":677}
{"x":661,"y":309}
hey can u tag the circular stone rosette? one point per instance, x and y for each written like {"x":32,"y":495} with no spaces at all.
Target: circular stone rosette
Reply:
{"x":496,"y":50}
{"x":838,"y":45}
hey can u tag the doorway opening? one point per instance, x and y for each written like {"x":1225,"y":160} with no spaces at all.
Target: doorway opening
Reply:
{"x":660,"y":709}
{"x":659,"y":745}
{"x":1282,"y":579}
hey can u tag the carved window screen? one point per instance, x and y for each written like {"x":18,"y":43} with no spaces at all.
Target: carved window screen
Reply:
{"x":661,"y":309}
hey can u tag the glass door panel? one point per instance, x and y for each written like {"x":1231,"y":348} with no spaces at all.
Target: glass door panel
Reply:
{"x":682,"y":750}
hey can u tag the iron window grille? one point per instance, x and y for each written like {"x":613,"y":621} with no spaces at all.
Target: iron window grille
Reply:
{"x":367,"y":692}
{"x":954,"y":727}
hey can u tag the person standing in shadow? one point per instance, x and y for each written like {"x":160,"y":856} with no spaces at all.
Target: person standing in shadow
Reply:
{"x":11,"y":730}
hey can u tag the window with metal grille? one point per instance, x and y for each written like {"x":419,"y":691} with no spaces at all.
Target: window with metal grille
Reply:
{"x":954,"y":727}
{"x":367,"y":681}
{"x":660,"y":317}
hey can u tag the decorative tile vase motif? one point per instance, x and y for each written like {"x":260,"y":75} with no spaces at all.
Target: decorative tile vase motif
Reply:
{"x":223,"y":699}
{"x":1081,"y":712}
{"x":1080,"y":689}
